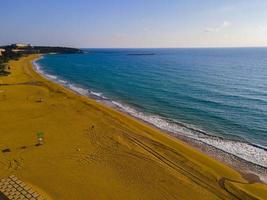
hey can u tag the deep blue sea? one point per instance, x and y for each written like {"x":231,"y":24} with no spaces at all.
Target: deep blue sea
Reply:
{"x":217,"y":96}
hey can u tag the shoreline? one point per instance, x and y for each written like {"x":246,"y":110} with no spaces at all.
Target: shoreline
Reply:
{"x":105,"y":153}
{"x":245,"y":167}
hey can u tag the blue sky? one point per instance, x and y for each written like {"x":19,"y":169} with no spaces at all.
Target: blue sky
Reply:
{"x":135,"y":23}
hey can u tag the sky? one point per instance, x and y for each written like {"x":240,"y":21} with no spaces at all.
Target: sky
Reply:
{"x":134,"y":23}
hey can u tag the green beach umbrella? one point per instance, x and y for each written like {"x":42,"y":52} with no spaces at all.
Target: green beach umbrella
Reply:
{"x":40,"y":134}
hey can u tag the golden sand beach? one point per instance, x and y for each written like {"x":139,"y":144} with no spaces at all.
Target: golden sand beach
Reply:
{"x":91,"y":151}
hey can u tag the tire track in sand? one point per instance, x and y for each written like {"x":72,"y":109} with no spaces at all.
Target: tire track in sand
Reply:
{"x":213,"y":188}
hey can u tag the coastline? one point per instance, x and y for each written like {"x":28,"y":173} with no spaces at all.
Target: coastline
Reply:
{"x":246,"y":167}
{"x":167,"y":165}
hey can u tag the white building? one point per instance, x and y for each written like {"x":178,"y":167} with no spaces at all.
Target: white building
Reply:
{"x":21,"y":45}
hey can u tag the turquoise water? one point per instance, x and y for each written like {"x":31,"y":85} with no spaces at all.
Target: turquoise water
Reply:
{"x":217,"y":96}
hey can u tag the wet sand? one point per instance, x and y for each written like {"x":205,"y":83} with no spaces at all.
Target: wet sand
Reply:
{"x":91,"y":151}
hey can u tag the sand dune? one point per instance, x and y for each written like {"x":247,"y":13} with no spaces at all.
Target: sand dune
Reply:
{"x":93,"y":152}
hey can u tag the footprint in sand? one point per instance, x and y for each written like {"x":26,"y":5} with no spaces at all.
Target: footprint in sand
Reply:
{"x":12,"y":164}
{"x":7,"y":150}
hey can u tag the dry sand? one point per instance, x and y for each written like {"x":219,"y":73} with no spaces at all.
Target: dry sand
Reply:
{"x":119,"y":158}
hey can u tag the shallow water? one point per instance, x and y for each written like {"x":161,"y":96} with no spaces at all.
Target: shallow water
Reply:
{"x":217,"y":96}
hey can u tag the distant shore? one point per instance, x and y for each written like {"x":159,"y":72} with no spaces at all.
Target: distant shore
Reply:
{"x":92,"y":151}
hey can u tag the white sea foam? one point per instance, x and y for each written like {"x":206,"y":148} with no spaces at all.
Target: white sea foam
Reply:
{"x":52,"y":76}
{"x":97,"y":94}
{"x":37,"y":67}
{"x":62,"y":81}
{"x":78,"y":89}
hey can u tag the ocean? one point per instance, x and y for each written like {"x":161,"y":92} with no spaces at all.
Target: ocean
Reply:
{"x":217,"y":96}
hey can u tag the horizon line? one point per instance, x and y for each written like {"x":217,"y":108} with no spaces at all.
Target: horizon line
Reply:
{"x":189,"y":47}
{"x":229,"y":47}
